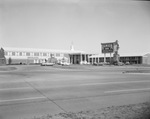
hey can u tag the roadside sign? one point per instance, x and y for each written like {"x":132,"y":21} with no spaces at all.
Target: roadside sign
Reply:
{"x":107,"y":47}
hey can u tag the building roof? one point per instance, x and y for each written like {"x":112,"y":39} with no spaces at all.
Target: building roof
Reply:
{"x":69,"y":52}
{"x":99,"y":55}
{"x":131,"y":54}
{"x":121,"y":55}
{"x":41,"y":50}
{"x":147,"y":55}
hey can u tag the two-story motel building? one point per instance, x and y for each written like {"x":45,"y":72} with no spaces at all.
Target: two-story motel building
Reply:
{"x":35,"y":56}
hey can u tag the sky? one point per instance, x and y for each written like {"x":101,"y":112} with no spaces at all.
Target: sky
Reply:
{"x":55,"y":24}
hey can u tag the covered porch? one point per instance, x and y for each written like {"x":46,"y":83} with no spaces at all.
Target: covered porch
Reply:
{"x":79,"y":58}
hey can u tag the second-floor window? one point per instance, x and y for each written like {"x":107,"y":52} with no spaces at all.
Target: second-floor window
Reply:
{"x":44,"y":54}
{"x":6,"y":53}
{"x":13,"y":53}
{"x":20,"y":53}
{"x":36,"y":54}
{"x":27,"y":54}
{"x":57,"y":54}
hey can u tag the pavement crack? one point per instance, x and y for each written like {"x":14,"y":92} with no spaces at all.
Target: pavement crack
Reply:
{"x":45,"y":96}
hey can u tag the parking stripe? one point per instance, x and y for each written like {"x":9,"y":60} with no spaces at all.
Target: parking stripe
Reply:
{"x":121,"y":82}
{"x":77,"y":85}
{"x":22,"y":99}
{"x":5,"y":89}
{"x":128,"y":90}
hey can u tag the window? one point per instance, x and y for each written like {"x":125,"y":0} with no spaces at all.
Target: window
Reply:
{"x":27,"y":54}
{"x":57,"y":54}
{"x":20,"y":53}
{"x":36,"y":54}
{"x":13,"y":53}
{"x":6,"y":53}
{"x":44,"y":54}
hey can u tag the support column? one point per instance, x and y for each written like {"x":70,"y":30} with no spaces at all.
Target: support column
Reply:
{"x":70,"y":59}
{"x":80,"y":58}
{"x":75,"y":59}
{"x":98,"y":59}
{"x":110,"y":58}
{"x":104,"y":57}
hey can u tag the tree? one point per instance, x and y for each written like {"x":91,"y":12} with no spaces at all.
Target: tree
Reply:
{"x":2,"y":57}
{"x":9,"y":60}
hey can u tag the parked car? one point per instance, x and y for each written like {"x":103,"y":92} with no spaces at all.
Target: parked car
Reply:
{"x":127,"y":63}
{"x":84,"y":62}
{"x":47,"y":64}
{"x":101,"y":64}
{"x":95,"y":63}
{"x":65,"y":64}
{"x":98,"y":64}
{"x":120,"y":63}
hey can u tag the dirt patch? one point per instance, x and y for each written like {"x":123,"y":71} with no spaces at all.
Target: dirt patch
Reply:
{"x":71,"y":66}
{"x":5,"y":68}
{"x":137,"y":71}
{"x":134,"y":111}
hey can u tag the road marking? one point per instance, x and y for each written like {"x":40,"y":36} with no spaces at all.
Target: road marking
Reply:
{"x":87,"y":84}
{"x":77,"y":85}
{"x":5,"y":89}
{"x":140,"y":73}
{"x":113,"y":83}
{"x":3,"y":82}
{"x":90,"y":84}
{"x":22,"y":99}
{"x":128,"y":90}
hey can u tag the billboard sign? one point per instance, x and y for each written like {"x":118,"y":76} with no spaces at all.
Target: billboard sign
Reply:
{"x":107,"y":47}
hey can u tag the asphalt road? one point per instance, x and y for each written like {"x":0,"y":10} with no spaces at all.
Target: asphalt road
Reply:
{"x":35,"y":90}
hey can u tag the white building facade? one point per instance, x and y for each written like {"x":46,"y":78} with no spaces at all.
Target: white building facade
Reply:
{"x":35,"y":56}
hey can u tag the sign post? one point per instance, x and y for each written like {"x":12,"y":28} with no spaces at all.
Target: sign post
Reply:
{"x":111,"y":47}
{"x":110,"y":58}
{"x":104,"y":57}
{"x":107,"y":48}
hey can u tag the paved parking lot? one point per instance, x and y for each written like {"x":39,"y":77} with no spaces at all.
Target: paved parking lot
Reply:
{"x":28,"y":91}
